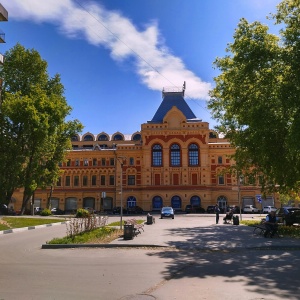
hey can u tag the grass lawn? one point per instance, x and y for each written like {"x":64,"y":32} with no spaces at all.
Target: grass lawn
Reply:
{"x":16,"y":222}
{"x":102,"y":235}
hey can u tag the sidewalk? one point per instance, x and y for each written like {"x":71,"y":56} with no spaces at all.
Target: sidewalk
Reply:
{"x":189,"y":231}
{"x":199,"y":232}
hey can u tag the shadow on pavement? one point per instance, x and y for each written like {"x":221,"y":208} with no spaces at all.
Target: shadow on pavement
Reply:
{"x":214,"y":253}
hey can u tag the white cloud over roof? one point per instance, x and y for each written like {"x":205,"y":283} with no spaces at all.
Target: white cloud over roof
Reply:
{"x":153,"y":61}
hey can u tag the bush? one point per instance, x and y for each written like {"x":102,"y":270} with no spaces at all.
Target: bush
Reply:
{"x":82,"y":213}
{"x":46,"y":212}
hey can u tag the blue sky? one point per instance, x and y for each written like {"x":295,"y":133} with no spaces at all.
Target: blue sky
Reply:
{"x":115,"y":56}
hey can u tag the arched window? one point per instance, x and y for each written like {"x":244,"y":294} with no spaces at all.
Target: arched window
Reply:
{"x":193,"y":155}
{"x":175,"y":155}
{"x":176,"y":202}
{"x":88,"y":137}
{"x":131,"y":201}
{"x":222,"y":202}
{"x":157,"y":203}
{"x":137,"y":137}
{"x":102,"y":137}
{"x":195,"y":201}
{"x":118,"y":137}
{"x":74,"y":138}
{"x":212,"y":135}
{"x":156,"y":155}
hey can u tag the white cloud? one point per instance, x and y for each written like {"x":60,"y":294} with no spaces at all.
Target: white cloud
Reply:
{"x":155,"y":64}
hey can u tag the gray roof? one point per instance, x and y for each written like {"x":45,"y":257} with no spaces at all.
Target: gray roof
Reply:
{"x":171,"y":99}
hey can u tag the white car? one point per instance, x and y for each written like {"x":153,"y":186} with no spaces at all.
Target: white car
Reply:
{"x":268,"y":209}
{"x":250,"y":209}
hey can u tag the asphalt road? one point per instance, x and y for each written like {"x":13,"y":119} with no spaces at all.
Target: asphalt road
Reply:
{"x":211,"y":262}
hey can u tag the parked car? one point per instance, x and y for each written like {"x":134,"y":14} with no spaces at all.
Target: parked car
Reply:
{"x":5,"y":210}
{"x":167,"y":212}
{"x":210,"y":209}
{"x":90,"y":210}
{"x":135,"y":210}
{"x":235,"y":209}
{"x":194,"y":209}
{"x":288,"y":215}
{"x":268,"y":209}
{"x":250,"y":209}
{"x":57,"y":211}
{"x":38,"y":210}
{"x":117,"y":210}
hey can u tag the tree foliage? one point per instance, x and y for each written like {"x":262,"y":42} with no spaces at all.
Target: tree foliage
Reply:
{"x":257,"y":98}
{"x":34,"y":133}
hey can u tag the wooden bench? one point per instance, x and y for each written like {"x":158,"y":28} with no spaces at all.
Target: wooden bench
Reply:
{"x":261,"y":228}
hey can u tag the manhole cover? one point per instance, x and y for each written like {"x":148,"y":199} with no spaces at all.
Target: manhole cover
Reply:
{"x":138,"y":297}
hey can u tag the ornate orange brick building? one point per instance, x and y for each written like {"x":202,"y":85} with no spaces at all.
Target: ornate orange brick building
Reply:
{"x":174,"y":160}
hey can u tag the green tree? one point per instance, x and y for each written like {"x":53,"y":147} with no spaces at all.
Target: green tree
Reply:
{"x":256,"y":99}
{"x":33,"y":112}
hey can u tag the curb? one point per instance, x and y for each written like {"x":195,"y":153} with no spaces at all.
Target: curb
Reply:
{"x":221,"y":249}
{"x":30,"y":227}
{"x":68,"y":246}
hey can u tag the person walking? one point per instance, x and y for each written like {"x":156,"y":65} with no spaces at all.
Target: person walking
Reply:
{"x":217,"y":211}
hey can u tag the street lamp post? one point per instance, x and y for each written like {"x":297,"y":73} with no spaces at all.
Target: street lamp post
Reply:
{"x":121,"y":160}
{"x":239,"y":178}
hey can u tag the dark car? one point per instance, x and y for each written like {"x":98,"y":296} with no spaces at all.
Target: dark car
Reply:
{"x":235,"y":209}
{"x":5,"y":210}
{"x":167,"y":212}
{"x":135,"y":210}
{"x":117,"y":210}
{"x":210,"y":209}
{"x":188,"y":209}
{"x":194,"y":209}
{"x":288,"y":215}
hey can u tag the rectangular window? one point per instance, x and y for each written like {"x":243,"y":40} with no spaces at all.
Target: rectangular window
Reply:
{"x":220,"y":160}
{"x":86,"y":162}
{"x":157,"y":179}
{"x":76,"y":180}
{"x":68,"y":162}
{"x":68,"y":181}
{"x":156,"y":159}
{"x":131,"y":161}
{"x":194,"y":179}
{"x":131,"y":179}
{"x":58,"y":182}
{"x":112,"y":161}
{"x":176,"y":179}
{"x":94,"y":180}
{"x":77,"y":162}
{"x":102,"y":179}
{"x":221,"y":179}
{"x":94,"y":161}
{"x":111,"y":180}
{"x":85,"y":180}
{"x":251,"y":179}
{"x":103,"y":161}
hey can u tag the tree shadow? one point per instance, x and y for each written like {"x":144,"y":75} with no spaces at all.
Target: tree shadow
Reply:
{"x":230,"y":252}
